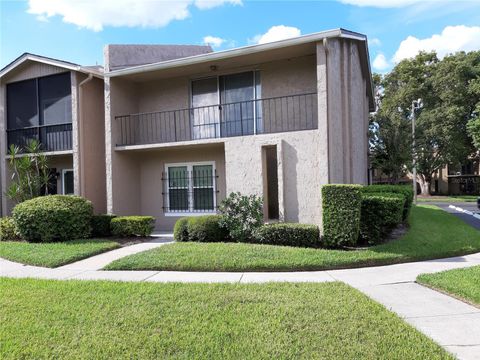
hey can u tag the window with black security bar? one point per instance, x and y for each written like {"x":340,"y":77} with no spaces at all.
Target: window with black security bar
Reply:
{"x":190,"y":188}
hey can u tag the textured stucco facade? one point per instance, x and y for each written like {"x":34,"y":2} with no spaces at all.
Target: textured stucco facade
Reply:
{"x":86,"y":158}
{"x":334,"y":152}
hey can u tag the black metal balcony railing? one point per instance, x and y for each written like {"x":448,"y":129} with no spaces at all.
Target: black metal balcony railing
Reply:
{"x":261,"y":116}
{"x":51,"y":137}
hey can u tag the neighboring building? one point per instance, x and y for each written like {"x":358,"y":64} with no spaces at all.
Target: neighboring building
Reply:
{"x":61,"y":105}
{"x":277,"y":120}
{"x":450,"y":180}
{"x":458,"y":179}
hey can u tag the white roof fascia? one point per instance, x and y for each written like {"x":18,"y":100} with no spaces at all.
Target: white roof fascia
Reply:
{"x":246,"y":50}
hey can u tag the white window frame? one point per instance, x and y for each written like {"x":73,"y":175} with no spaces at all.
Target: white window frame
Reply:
{"x":63,"y":180}
{"x":190,"y":166}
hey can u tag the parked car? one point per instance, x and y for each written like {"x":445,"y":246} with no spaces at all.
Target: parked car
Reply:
{"x":478,"y":202}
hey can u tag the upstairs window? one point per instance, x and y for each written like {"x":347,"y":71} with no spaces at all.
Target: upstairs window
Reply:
{"x":41,"y":101}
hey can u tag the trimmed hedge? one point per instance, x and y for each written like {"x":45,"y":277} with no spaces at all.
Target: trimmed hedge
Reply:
{"x":129,"y":226}
{"x":289,"y":234}
{"x":101,"y":225}
{"x":8,"y":229}
{"x":204,"y":228}
{"x":381,"y":212}
{"x":341,"y":214}
{"x":405,"y":190}
{"x":180,"y":230}
{"x":53,"y":218}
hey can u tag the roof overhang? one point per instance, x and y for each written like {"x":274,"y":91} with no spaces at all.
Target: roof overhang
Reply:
{"x":299,"y":42}
{"x":49,"y":61}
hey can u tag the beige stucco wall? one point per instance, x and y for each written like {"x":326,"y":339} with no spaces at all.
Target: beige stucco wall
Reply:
{"x":91,"y":133}
{"x":122,"y":171}
{"x":347,"y":113}
{"x":335,"y":153}
{"x":27,"y":70}
{"x":152,"y":165}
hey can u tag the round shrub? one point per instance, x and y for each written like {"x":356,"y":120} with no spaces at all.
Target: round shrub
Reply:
{"x":8,"y":229}
{"x":180,"y":230}
{"x":53,"y":218}
{"x":381,"y":213}
{"x":287,"y":234}
{"x":101,"y":225}
{"x":128,"y":226}
{"x":206,"y":228}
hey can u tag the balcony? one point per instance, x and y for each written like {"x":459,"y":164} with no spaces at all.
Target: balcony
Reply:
{"x":51,"y":137}
{"x":261,"y":116}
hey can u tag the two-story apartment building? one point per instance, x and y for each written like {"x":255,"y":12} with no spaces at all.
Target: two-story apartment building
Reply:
{"x":60,"y":105}
{"x":277,"y":120}
{"x":171,"y":130}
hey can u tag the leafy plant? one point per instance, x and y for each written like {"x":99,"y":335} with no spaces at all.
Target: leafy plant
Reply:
{"x":341,"y":214}
{"x":288,"y":234}
{"x":242,"y":215}
{"x":53,"y":218}
{"x":8,"y":229}
{"x":30,"y":172}
{"x":101,"y":225}
{"x":127,"y":226}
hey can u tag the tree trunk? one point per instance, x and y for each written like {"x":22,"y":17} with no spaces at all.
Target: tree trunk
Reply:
{"x":424,"y":185}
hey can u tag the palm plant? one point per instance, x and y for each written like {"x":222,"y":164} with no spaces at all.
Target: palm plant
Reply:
{"x":30,"y":172}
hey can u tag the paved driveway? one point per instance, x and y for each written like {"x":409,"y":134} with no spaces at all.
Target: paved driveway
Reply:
{"x":470,"y":220}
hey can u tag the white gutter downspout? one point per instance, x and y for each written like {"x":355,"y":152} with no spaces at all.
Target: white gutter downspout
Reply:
{"x":81,"y":133}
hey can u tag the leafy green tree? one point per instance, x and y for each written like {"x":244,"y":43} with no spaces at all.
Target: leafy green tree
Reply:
{"x":30,"y":172}
{"x":446,"y":123}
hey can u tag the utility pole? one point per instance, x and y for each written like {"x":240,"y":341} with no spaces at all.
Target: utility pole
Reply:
{"x":416,"y":104}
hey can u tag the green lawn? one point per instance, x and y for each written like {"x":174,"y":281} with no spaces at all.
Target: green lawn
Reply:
{"x":433,"y":234}
{"x":461,"y":283}
{"x":110,"y":320}
{"x":451,"y":198}
{"x":54,"y":254}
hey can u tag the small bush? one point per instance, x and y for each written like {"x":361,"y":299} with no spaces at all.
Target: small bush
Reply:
{"x":242,"y":215}
{"x":381,"y":212}
{"x":180,"y":230}
{"x":101,"y":225}
{"x":8,"y":229}
{"x":289,"y":235}
{"x":405,"y":190}
{"x":53,"y":218}
{"x":127,"y":226}
{"x":341,"y":214}
{"x":206,"y":229}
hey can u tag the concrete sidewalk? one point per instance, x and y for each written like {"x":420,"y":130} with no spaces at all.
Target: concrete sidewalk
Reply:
{"x":450,"y":322}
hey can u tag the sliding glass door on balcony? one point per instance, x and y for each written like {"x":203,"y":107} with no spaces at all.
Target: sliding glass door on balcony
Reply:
{"x":40,"y":109}
{"x":224,"y":106}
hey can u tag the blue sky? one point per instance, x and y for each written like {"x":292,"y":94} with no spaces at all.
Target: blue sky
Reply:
{"x":76,"y":31}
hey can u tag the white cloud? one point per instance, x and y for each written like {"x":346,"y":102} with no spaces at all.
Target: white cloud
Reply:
{"x":452,"y":39}
{"x":276,"y":33}
{"x":382,"y":3}
{"x":380,"y":63}
{"x":96,"y":14}
{"x":208,"y":4}
{"x":213,"y":41}
{"x":374,"y":42}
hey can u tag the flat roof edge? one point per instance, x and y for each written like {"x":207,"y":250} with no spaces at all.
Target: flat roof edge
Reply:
{"x":230,"y":53}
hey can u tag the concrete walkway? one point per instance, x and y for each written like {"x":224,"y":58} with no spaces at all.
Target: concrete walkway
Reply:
{"x":451,"y":323}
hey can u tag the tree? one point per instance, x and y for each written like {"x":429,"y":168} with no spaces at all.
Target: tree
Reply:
{"x":389,"y":136}
{"x":30,"y":172}
{"x":449,"y":90}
